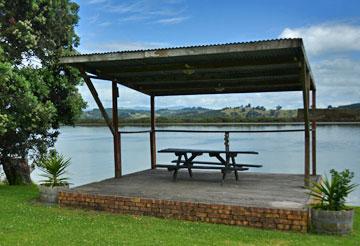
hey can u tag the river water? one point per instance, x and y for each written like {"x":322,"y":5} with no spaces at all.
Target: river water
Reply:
{"x":91,"y":149}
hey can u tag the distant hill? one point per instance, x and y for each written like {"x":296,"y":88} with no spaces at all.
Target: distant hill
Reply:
{"x":342,"y":113}
{"x":196,"y":115}
{"x":95,"y":114}
{"x":350,"y":106}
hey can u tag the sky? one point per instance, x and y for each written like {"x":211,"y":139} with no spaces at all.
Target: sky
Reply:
{"x":330,"y":30}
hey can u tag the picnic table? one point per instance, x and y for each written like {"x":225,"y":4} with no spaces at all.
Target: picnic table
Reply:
{"x":225,"y":161}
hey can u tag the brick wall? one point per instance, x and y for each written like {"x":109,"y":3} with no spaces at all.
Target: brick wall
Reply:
{"x":281,"y":219}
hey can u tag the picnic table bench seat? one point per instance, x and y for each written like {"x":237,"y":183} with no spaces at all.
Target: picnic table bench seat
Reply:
{"x":173,"y":167}
{"x":219,"y":163}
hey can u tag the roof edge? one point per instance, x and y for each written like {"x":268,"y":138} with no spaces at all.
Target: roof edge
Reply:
{"x":183,"y":51}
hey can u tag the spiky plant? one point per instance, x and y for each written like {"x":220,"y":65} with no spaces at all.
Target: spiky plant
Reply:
{"x":53,"y":166}
{"x":331,"y":193}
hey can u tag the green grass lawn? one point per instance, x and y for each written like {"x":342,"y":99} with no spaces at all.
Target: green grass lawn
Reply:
{"x":24,"y":222}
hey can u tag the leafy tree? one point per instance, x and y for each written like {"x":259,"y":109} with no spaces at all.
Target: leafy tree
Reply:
{"x":35,"y":97}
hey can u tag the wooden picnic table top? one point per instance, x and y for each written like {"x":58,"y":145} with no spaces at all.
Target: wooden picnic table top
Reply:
{"x":193,"y":151}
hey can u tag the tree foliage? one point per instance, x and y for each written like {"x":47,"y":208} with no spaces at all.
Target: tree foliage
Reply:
{"x":37,"y":94}
{"x":38,"y":28}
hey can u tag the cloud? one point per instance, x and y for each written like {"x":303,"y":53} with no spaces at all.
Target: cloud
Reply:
{"x":326,"y":38}
{"x":104,"y":24}
{"x":156,"y":11}
{"x":96,"y":19}
{"x":171,"y":21}
{"x":341,"y":72}
{"x":338,"y":81}
{"x":333,"y":50}
{"x":270,"y":100}
{"x":134,"y":18}
{"x":96,"y":1}
{"x":121,"y":46}
{"x":126,"y":7}
{"x":93,"y":19}
{"x":127,"y":98}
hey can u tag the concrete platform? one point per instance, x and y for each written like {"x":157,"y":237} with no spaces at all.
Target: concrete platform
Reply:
{"x":256,"y":195}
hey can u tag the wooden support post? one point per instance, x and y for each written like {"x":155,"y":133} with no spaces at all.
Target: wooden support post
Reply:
{"x":313,"y":133}
{"x":306,"y":85}
{"x":227,"y":145}
{"x":97,"y":100}
{"x":117,"y":145}
{"x":226,"y":141}
{"x":152,"y":133}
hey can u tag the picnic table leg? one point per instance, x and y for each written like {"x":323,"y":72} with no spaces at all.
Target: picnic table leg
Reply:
{"x":224,"y":171}
{"x":188,"y":164}
{"x":224,"y":162}
{"x":177,"y":167}
{"x":234,"y":165}
{"x":189,"y":161}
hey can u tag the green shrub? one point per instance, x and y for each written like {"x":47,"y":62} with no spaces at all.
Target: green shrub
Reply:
{"x":332,"y":193}
{"x":54,"y":165}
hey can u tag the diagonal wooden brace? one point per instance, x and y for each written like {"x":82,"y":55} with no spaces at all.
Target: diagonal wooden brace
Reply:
{"x":97,"y":100}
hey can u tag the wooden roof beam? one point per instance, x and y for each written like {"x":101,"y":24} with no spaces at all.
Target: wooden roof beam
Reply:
{"x":293,"y":87}
{"x":241,"y":81}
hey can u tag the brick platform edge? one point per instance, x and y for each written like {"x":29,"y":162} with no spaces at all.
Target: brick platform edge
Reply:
{"x":267,"y":218}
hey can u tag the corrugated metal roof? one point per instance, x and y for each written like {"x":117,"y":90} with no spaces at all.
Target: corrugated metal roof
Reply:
{"x":254,"y":66}
{"x":185,"y":47}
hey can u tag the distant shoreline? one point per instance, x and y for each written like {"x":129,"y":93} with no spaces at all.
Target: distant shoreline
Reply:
{"x":218,"y":124}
